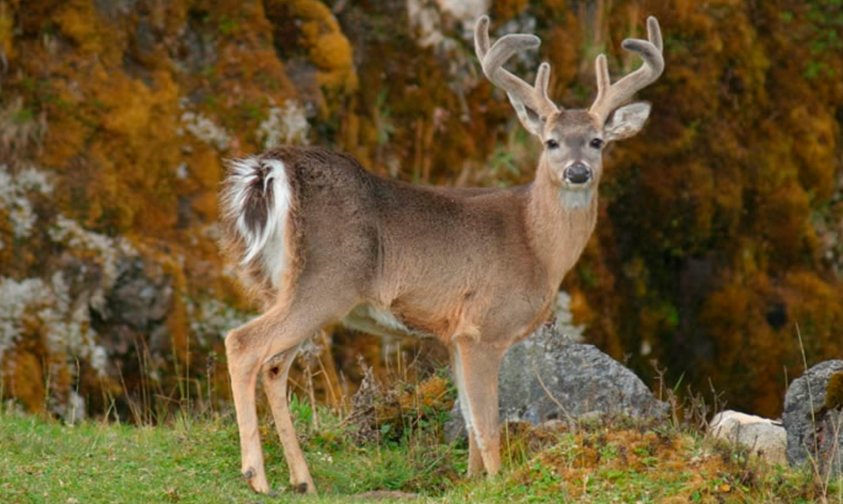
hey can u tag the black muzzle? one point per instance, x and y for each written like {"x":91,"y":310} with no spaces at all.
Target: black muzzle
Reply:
{"x":578,"y":173}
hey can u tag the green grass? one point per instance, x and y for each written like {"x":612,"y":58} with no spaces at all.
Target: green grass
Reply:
{"x":194,"y":461}
{"x":197,"y":460}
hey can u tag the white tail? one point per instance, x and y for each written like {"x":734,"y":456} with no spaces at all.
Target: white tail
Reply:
{"x":257,"y":199}
{"x":323,"y":240}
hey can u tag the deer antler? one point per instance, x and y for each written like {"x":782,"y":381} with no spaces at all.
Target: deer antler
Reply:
{"x":524,"y":97}
{"x":611,"y":96}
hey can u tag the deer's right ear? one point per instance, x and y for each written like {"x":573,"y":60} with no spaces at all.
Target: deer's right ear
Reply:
{"x":530,"y":119}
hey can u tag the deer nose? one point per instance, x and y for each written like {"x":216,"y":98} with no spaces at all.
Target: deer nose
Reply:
{"x":578,"y":173}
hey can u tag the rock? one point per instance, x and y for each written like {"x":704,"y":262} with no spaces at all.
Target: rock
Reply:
{"x":582,"y":379}
{"x":140,"y":299}
{"x":813,"y":418}
{"x":113,"y":9}
{"x":764,"y":437}
{"x":134,"y":315}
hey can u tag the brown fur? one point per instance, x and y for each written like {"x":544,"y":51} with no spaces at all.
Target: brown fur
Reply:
{"x":477,"y":269}
{"x":453,"y":263}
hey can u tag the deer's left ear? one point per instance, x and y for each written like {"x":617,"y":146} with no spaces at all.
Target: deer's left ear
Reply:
{"x":626,"y":121}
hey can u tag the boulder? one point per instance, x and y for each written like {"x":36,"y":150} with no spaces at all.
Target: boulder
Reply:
{"x":577,"y":381}
{"x":136,"y":309}
{"x":813,"y":418}
{"x":764,"y":437}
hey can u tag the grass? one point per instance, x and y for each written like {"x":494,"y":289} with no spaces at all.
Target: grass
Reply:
{"x":197,"y":460}
{"x":190,"y":461}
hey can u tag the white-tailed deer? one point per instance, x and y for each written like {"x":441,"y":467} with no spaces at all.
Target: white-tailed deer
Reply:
{"x":322,"y":240}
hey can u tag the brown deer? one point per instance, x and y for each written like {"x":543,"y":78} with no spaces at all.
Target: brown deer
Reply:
{"x":322,"y":240}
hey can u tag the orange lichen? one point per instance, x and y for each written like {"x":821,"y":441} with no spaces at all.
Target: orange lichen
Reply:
{"x":320,"y":35}
{"x":507,"y":9}
{"x":77,"y":20}
{"x":315,"y":11}
{"x":581,"y":311}
{"x":6,"y":31}
{"x":430,"y":393}
{"x":206,"y":168}
{"x":331,"y":51}
{"x":834,"y":392}
{"x":80,"y":21}
{"x":24,"y":378}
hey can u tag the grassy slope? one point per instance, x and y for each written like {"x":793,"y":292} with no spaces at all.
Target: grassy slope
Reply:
{"x":197,"y":461}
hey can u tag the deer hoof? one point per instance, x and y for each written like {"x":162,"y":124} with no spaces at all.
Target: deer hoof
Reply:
{"x":301,"y":488}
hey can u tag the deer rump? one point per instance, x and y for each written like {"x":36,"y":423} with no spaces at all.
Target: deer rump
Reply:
{"x":419,"y":261}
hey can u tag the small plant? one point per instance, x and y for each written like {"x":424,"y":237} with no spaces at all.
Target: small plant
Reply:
{"x":383,"y":122}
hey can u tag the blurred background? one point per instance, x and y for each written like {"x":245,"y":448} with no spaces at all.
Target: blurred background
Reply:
{"x":718,"y":243}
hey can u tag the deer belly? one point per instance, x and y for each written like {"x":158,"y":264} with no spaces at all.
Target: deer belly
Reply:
{"x":380,"y":322}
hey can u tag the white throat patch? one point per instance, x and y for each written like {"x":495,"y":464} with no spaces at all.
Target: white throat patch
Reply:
{"x":576,"y":198}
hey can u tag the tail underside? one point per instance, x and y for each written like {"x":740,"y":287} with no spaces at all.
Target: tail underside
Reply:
{"x":255,"y":206}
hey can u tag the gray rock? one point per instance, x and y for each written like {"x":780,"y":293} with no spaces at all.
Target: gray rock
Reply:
{"x":139,"y":299}
{"x":764,"y":437}
{"x":136,"y":310}
{"x":584,"y":381}
{"x":814,"y":431}
{"x":115,"y":8}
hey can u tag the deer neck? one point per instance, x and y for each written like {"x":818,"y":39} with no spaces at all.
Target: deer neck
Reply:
{"x":560,"y":223}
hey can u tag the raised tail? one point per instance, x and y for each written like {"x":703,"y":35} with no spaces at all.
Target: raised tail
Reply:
{"x":256,"y":201}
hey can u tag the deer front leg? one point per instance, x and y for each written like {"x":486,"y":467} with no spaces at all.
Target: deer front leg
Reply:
{"x":475,"y":460}
{"x":476,"y":369}
{"x":275,"y":384}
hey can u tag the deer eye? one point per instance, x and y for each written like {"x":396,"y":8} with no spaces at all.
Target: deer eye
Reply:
{"x":596,"y":143}
{"x":552,"y":144}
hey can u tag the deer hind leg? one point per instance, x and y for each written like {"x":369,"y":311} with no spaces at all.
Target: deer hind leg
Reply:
{"x":476,"y":370}
{"x":248,"y":348}
{"x":244,"y":359}
{"x":275,"y":385}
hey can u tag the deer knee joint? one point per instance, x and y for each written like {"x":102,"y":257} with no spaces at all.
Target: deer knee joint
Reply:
{"x":248,"y":474}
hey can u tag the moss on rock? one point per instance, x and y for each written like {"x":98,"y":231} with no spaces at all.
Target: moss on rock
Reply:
{"x":834,"y":392}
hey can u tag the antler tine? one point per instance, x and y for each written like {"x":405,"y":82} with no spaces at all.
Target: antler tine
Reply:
{"x":481,"y":38}
{"x":521,"y":94}
{"x":611,"y":96}
{"x":542,"y":82}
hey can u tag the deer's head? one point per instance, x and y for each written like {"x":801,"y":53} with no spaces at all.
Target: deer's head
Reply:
{"x":573,"y":139}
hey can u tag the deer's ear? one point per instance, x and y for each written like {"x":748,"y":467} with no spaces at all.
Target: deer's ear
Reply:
{"x":626,"y":121}
{"x":530,"y":119}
